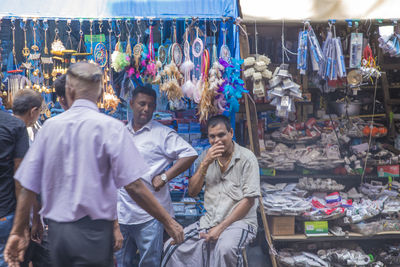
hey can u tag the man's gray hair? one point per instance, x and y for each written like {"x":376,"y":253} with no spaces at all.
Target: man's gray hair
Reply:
{"x":88,"y":72}
{"x":26,"y":99}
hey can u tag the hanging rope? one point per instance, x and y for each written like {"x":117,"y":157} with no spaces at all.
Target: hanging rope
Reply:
{"x":285,"y":51}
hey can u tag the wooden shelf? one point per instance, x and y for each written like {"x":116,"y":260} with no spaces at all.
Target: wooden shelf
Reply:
{"x":330,"y":237}
{"x":323,"y":176}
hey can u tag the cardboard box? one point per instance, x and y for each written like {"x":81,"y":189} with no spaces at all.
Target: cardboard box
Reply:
{"x":388,"y":170}
{"x":281,"y":225}
{"x":316,"y":228}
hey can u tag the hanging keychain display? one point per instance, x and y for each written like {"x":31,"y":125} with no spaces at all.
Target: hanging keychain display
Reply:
{"x":45,"y":58}
{"x":57,"y":46}
{"x":138,"y":48}
{"x":224,"y":52}
{"x":214,"y":46}
{"x":197,"y":46}
{"x":119,"y":59}
{"x":100,"y":50}
{"x":129,"y":27}
{"x":162,"y":51}
{"x":186,"y":68}
{"x":81,"y":49}
{"x":25,"y":50}
{"x":151,"y":69}
{"x":176,"y":50}
{"x":35,"y":48}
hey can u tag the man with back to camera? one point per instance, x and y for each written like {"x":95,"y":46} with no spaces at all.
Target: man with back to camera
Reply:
{"x":14,"y":143}
{"x":79,"y":194}
{"x":160,"y":146}
{"x":231,"y":176}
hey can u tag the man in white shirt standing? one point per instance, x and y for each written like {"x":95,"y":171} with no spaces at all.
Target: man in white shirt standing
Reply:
{"x":159,"y":145}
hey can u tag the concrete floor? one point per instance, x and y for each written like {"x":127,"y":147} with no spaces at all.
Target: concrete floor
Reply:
{"x":257,"y":258}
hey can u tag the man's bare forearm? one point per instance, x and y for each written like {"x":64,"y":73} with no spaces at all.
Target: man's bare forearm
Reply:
{"x":197,"y":180}
{"x":239,"y":212}
{"x":180,"y":166}
{"x":145,"y":199}
{"x":24,"y":205}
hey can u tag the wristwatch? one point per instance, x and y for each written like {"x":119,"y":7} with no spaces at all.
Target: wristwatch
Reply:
{"x":164,"y":178}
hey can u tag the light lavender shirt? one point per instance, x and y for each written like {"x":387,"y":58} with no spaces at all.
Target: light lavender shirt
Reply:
{"x":160,"y":146}
{"x":78,"y":161}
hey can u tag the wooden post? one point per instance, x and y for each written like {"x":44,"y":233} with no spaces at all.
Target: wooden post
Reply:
{"x":266,"y":231}
{"x":252,"y":120}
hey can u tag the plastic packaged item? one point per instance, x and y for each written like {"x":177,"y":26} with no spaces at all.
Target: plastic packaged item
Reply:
{"x":356,"y":43}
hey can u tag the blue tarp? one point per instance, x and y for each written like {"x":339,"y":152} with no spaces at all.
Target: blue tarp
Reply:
{"x":119,"y":8}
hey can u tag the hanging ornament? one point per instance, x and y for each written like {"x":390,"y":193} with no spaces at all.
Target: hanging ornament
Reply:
{"x":138,"y":48}
{"x":207,"y":105}
{"x":25,"y":50}
{"x":128,"y":26}
{"x":170,"y":82}
{"x":109,"y":100}
{"x":119,"y":60}
{"x":214,"y":46}
{"x":188,"y":87}
{"x":81,"y":49}
{"x":100,"y":50}
{"x":162,"y":51}
{"x":176,"y":50}
{"x":368,"y":68}
{"x":232,"y":88}
{"x":151,"y":68}
{"x":57,"y":46}
{"x":224,"y":52}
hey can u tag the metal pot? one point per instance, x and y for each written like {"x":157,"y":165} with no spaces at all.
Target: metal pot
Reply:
{"x":353,"y":108}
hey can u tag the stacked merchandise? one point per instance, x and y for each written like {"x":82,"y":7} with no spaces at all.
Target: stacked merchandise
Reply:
{"x":340,"y":146}
{"x":368,"y":210}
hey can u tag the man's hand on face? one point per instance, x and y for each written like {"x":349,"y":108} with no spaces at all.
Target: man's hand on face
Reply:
{"x":214,"y":153}
{"x":213,"y":234}
{"x":157,"y":182}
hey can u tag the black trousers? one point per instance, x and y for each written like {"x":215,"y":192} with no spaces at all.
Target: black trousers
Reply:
{"x":38,"y":254}
{"x":84,"y":243}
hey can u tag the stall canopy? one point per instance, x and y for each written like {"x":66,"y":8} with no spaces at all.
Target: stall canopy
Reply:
{"x":318,"y":10}
{"x":119,"y":8}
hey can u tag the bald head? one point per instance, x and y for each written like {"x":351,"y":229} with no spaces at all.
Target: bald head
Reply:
{"x":83,"y":82}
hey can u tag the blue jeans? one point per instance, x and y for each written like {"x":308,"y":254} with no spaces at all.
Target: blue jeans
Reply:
{"x":5,"y":229}
{"x":147,"y":238}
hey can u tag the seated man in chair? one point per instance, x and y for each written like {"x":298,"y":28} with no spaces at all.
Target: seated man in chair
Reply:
{"x":232,"y":184}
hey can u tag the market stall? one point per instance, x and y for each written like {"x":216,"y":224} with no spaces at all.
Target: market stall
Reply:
{"x":187,"y":52}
